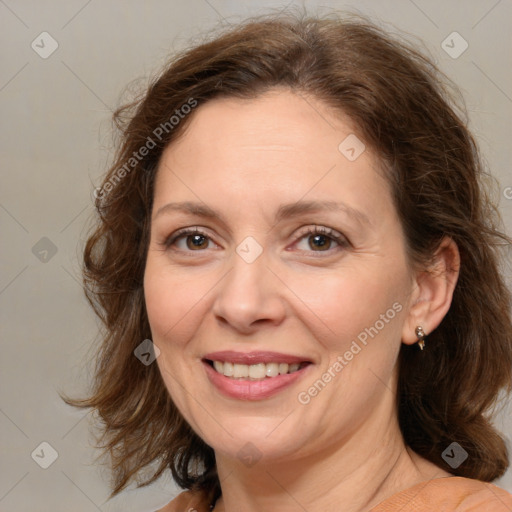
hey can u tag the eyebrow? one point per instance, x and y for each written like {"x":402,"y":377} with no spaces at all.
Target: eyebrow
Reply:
{"x":285,"y":211}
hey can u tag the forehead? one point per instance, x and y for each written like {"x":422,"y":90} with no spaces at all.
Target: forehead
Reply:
{"x":280,"y":144}
{"x":274,"y":121}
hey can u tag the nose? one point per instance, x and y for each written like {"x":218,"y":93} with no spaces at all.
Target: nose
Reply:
{"x":249,"y":297}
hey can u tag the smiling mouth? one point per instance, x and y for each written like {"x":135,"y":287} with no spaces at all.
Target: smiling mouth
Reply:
{"x":256,"y":371}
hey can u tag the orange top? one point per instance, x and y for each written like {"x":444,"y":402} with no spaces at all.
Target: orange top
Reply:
{"x":452,"y":494}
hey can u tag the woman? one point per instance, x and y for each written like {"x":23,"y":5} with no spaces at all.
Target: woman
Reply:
{"x":295,"y":220}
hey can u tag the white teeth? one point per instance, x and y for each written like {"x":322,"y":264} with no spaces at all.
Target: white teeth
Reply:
{"x":272,"y":369}
{"x":240,"y":370}
{"x":228,"y":369}
{"x":258,"y":371}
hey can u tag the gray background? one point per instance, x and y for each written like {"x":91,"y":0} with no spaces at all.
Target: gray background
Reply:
{"x":55,"y":142}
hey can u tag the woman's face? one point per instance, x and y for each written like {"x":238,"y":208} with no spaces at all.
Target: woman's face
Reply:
{"x":276,"y":251}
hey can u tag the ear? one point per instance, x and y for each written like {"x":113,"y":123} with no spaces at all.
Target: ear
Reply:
{"x":432,"y":291}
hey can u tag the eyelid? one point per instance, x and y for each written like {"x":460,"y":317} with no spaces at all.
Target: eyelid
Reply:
{"x":341,"y":240}
{"x":322,"y":230}
{"x":186,"y":231}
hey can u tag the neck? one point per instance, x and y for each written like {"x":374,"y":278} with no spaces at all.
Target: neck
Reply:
{"x":358,"y":472}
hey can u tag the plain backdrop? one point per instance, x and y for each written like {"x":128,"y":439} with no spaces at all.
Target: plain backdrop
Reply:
{"x":55,"y":144}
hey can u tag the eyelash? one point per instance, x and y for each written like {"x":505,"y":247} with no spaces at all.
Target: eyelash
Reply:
{"x":341,"y":240}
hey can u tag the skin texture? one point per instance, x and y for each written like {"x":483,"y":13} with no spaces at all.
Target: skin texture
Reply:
{"x":244,"y":159}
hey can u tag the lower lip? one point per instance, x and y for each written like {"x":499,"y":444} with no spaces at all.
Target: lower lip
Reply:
{"x":252,"y":389}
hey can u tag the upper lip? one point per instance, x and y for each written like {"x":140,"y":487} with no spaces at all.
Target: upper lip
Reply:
{"x":249,"y":358}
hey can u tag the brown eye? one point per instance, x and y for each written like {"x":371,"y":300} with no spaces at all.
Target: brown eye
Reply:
{"x":319,"y":242}
{"x":189,"y":240}
{"x":320,"y":239}
{"x":195,"y":242}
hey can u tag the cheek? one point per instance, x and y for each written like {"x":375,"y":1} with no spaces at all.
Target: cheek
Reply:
{"x":173,"y":304}
{"x":345,"y":303}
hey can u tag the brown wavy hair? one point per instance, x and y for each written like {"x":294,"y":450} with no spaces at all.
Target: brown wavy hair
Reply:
{"x":404,"y":110}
